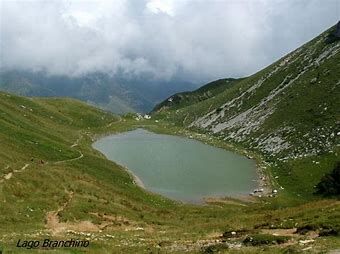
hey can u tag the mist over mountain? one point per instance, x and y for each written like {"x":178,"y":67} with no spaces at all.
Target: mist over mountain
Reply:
{"x":140,"y":52}
{"x":116,"y":94}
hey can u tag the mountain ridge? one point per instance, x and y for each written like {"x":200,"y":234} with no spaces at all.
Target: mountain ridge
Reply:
{"x":239,"y":113}
{"x":288,"y":113}
{"x":202,"y":93}
{"x":110,"y":92}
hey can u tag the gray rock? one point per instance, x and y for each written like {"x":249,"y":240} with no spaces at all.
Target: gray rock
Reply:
{"x":313,"y":80}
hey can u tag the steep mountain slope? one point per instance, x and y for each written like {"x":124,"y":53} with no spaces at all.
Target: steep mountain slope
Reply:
{"x":113,"y":93}
{"x":180,"y":100}
{"x":288,"y":110}
{"x":287,"y":113}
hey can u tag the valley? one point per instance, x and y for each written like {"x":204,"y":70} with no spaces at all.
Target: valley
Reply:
{"x":55,"y":185}
{"x":63,"y":195}
{"x":116,"y":94}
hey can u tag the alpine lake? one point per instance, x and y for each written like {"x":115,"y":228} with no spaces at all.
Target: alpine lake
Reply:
{"x":180,"y":168}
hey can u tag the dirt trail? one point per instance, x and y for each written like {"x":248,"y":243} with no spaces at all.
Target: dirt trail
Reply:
{"x":81,"y":155}
{"x":8,"y":176}
{"x":75,"y":144}
{"x":115,"y":122}
{"x":56,"y":227}
{"x":77,"y":141}
{"x":23,"y":168}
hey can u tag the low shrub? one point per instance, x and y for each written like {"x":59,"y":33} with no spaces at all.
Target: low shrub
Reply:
{"x":330,"y":183}
{"x":264,"y":239}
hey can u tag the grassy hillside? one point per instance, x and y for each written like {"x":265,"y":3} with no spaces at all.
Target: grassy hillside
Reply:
{"x":54,"y":185}
{"x":288,"y":112}
{"x":180,"y":100}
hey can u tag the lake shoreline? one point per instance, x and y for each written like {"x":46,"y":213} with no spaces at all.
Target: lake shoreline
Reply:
{"x":261,"y":181}
{"x":265,"y":186}
{"x":136,"y":180}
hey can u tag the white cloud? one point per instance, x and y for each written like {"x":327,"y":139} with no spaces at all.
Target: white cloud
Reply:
{"x":195,"y":39}
{"x":159,"y":6}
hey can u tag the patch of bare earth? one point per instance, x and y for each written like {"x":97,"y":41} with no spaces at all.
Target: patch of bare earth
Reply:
{"x":217,"y":200}
{"x":118,"y":223}
{"x":56,"y":227}
{"x":10,"y":174}
{"x":280,"y":232}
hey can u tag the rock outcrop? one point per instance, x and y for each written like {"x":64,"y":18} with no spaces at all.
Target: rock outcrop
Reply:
{"x":337,"y":31}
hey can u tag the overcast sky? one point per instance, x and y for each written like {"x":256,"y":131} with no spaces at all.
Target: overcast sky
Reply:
{"x":191,"y":39}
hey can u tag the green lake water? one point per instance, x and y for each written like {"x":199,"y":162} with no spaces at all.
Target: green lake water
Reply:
{"x":180,"y":168}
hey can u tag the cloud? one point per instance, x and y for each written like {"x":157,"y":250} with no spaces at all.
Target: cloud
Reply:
{"x":192,"y":39}
{"x":159,"y":6}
